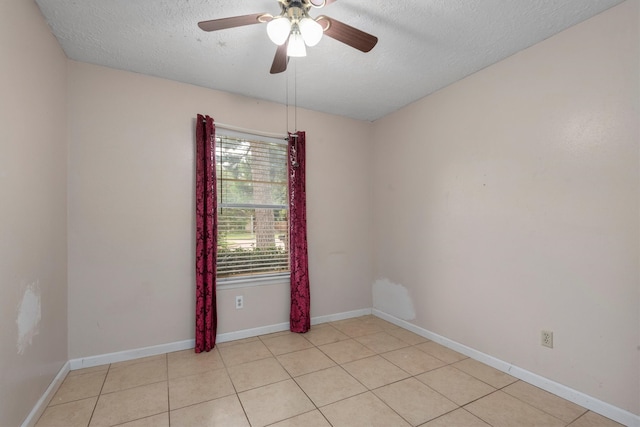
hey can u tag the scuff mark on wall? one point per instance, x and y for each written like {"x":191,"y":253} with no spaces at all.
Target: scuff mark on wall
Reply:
{"x":393,"y":299}
{"x":29,"y":316}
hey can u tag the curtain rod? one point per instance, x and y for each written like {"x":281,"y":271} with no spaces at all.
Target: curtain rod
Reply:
{"x":250,"y":131}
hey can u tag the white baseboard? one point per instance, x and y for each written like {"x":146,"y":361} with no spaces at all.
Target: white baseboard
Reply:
{"x":340,"y":316}
{"x":120,"y":356}
{"x":253,"y":332}
{"x":577,"y":397}
{"x":46,"y":397}
{"x":279,"y":327}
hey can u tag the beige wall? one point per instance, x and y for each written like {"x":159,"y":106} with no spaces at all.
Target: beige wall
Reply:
{"x":508,"y":203}
{"x":33,"y":159}
{"x":131,"y":209}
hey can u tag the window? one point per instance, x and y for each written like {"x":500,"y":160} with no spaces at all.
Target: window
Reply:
{"x":253,"y":209}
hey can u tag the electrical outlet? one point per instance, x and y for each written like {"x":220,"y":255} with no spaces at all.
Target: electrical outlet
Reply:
{"x":546,"y":339}
{"x":239,"y":302}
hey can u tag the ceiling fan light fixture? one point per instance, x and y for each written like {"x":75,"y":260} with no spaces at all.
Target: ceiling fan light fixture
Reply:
{"x":311,"y":31}
{"x":278,"y":29}
{"x":293,"y":30}
{"x":296,"y":47}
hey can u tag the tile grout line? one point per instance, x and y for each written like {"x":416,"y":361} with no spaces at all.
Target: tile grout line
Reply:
{"x":540,"y":409}
{"x":291,"y":377}
{"x":237,"y":395}
{"x":52,"y":404}
{"x":99,"y":395}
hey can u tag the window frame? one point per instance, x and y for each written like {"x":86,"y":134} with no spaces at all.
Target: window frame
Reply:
{"x":257,"y":279}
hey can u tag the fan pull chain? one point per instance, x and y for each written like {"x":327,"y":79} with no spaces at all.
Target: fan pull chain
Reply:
{"x":295,"y":97}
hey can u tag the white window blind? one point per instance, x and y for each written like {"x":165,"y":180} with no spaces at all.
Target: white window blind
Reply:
{"x":253,"y":227}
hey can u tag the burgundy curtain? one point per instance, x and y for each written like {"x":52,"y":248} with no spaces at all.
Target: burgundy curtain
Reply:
{"x":300,"y":316}
{"x":206,"y":234}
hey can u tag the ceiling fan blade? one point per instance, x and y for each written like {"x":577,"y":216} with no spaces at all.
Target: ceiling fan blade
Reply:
{"x":236,"y":21}
{"x":280,"y":60}
{"x":347,"y":34}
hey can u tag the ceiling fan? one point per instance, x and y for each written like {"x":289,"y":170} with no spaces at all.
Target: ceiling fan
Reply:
{"x":294,"y":28}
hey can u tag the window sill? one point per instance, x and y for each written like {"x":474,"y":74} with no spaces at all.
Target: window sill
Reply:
{"x":278,"y":279}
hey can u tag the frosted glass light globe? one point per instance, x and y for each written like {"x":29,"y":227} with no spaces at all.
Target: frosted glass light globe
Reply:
{"x":278,"y":29}
{"x":296,"y":45}
{"x":311,"y":31}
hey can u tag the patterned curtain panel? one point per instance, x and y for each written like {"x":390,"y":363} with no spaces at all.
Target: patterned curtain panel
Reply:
{"x":300,"y":317}
{"x":206,"y":234}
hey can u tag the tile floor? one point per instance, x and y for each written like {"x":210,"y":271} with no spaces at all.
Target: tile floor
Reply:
{"x":356,"y":372}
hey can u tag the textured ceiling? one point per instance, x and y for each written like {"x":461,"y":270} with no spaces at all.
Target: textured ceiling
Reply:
{"x":424,"y":45}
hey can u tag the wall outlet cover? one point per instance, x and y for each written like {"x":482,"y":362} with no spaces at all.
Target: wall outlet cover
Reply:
{"x":546,"y":339}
